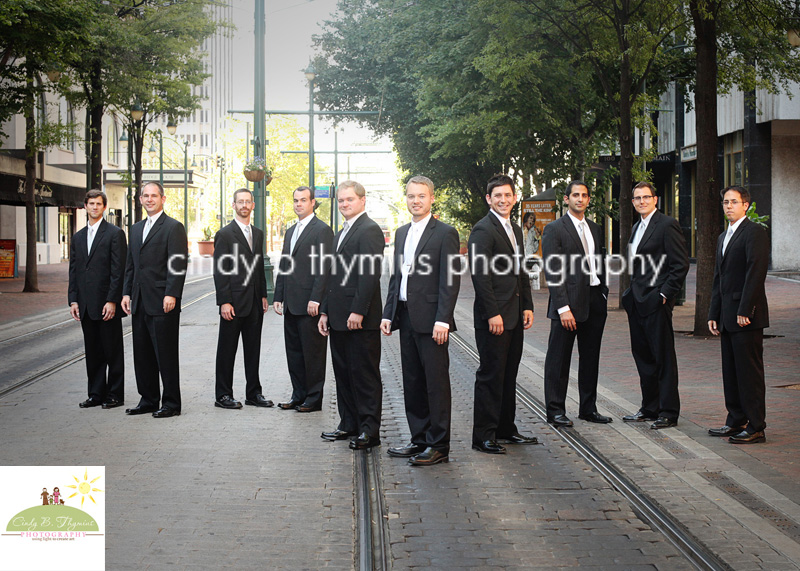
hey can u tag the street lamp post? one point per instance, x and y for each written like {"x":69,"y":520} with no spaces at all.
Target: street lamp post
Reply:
{"x":311,"y":74}
{"x":172,"y":127}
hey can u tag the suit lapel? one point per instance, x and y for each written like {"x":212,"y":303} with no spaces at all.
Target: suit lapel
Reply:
{"x":426,"y":235}
{"x":352,"y":229}
{"x":739,"y":231}
{"x":498,"y":227}
{"x":400,"y":245}
{"x":240,"y":236}
{"x":101,"y":228}
{"x":570,"y":229}
{"x":156,"y":227}
{"x":304,"y":233}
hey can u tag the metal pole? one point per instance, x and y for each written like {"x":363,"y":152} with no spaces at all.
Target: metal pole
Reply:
{"x":221,"y":193}
{"x":311,"y":134}
{"x":247,"y":153}
{"x":130,"y":176}
{"x":334,"y":209}
{"x":160,"y":159}
{"x":186,"y":185}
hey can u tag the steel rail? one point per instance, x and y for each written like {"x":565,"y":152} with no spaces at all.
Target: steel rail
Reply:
{"x":371,"y":536}
{"x":76,"y":358}
{"x":689,"y":546}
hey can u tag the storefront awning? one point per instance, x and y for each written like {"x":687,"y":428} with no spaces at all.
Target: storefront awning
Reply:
{"x":12,"y":192}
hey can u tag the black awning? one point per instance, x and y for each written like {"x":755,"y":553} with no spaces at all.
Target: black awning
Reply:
{"x":12,"y":192}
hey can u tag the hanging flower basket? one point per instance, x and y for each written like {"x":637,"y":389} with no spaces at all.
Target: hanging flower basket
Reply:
{"x":254,"y":176}
{"x":257,"y":170}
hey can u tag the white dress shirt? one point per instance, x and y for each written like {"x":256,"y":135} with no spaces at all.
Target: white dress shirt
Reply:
{"x":91,"y":232}
{"x":729,"y":234}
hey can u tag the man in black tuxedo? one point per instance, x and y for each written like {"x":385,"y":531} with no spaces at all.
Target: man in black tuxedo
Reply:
{"x":658,"y":264}
{"x":96,"y":271}
{"x":154,"y":278}
{"x":739,"y":314}
{"x":423,"y":290}
{"x":242,"y":299}
{"x":503,"y":308}
{"x":575,"y":270}
{"x":299,"y":289}
{"x":351,"y":314}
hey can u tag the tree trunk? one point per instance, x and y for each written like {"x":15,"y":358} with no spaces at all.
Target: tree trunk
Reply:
{"x":31,"y":269}
{"x":625,"y":167}
{"x":707,"y":186}
{"x":96,"y":127}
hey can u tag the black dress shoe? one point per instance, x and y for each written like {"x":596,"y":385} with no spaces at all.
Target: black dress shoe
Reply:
{"x":638,"y":417}
{"x":489,"y":446}
{"x":90,"y":402}
{"x":428,"y":458}
{"x":259,"y":400}
{"x":364,"y":441}
{"x":289,"y":405}
{"x":166,"y":412}
{"x":559,"y":420}
{"x":406,"y":451}
{"x":745,"y":437}
{"x":337,"y":435}
{"x":140,"y":410}
{"x":308,"y":408}
{"x":112,"y":403}
{"x":519,"y":439}
{"x":663,"y":422}
{"x":227,"y":401}
{"x":725,"y":430}
{"x":595,"y":417}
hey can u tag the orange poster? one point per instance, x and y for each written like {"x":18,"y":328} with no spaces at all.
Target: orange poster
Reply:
{"x":536,"y":214}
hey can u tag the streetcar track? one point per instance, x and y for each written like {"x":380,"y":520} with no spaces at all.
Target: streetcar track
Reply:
{"x":66,"y":321}
{"x":77,"y":357}
{"x":682,"y":539}
{"x":371,"y":533}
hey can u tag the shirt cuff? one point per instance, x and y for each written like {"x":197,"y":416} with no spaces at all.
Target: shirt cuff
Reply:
{"x":314,"y":302}
{"x":386,"y":320}
{"x":443,"y":324}
{"x":563,"y":309}
{"x":662,"y":295}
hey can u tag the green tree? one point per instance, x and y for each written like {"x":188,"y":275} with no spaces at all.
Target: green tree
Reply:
{"x":735,"y":43}
{"x":35,"y":37}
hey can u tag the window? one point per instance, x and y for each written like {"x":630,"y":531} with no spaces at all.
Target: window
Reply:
{"x":41,"y":224}
{"x":734,"y":171}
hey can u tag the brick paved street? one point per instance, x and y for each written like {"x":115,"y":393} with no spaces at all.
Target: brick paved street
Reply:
{"x":259,"y":489}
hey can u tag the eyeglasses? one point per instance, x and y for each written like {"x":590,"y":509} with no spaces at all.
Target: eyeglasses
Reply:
{"x":644,"y":198}
{"x":731,"y":202}
{"x":243,"y":202}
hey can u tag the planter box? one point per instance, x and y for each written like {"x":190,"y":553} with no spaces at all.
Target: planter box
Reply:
{"x":205,"y":247}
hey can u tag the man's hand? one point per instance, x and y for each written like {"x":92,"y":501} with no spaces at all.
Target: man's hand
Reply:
{"x":742,"y":320}
{"x":386,"y":327}
{"x":354,"y":321}
{"x":169,"y":303}
{"x":440,"y":334}
{"x":126,"y":304}
{"x":712,"y":326}
{"x":265,"y":304}
{"x":322,"y":325}
{"x":313,"y":308}
{"x":74,"y":311}
{"x":227,"y":312}
{"x":496,"y":325}
{"x":568,"y":321}
{"x":278,"y":307}
{"x":527,"y":319}
{"x":109,"y":310}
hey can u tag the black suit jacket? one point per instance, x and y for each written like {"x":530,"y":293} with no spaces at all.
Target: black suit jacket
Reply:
{"x":357,"y":291}
{"x":662,"y":241}
{"x":432,"y":288}
{"x":157,"y":267}
{"x":96,"y":277}
{"x":308,"y":277}
{"x":739,"y":278}
{"x":239,"y":272}
{"x":505,"y":292}
{"x":561,"y":239}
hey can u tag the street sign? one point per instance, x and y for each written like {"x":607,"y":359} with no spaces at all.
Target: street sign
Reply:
{"x":322,"y":191}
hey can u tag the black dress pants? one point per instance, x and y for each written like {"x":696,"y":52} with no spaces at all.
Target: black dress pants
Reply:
{"x":743,"y":378}
{"x":105,"y":357}
{"x":155,"y":351}
{"x":306,"y":355}
{"x":356,"y":357}
{"x":249,"y":327}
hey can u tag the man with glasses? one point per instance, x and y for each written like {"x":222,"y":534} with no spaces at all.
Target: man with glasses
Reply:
{"x":658,"y":264}
{"x":739,"y":314}
{"x":242,"y":299}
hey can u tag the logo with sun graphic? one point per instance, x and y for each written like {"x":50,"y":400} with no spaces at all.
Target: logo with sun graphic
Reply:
{"x":85,"y":488}
{"x":53,"y":518}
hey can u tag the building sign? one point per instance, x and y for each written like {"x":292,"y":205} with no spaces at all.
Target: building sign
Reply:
{"x":8,"y":252}
{"x":689,"y":153}
{"x":171,"y":177}
{"x":39,"y":189}
{"x":322,"y":191}
{"x":543,"y":214}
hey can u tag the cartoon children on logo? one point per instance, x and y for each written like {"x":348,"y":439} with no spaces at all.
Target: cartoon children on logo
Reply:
{"x":52,"y":499}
